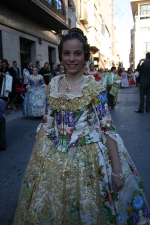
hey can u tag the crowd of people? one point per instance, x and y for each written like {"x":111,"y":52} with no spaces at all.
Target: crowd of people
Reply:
{"x":19,"y":90}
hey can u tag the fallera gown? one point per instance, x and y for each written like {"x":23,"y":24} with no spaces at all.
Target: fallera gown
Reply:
{"x":35,"y":99}
{"x":68,"y":177}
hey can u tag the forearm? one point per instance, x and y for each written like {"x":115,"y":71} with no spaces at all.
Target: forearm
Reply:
{"x":38,"y":136}
{"x":114,"y":155}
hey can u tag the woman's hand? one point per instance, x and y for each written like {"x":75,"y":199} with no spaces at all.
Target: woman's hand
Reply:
{"x":117,"y":184}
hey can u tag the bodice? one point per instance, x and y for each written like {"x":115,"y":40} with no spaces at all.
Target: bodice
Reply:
{"x":72,"y":119}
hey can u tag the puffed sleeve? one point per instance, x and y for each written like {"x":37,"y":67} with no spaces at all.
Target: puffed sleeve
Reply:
{"x":103,"y":115}
{"x":48,"y":118}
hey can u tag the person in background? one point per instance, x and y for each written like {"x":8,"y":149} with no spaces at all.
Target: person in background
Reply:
{"x":92,"y":70}
{"x":26,"y":73}
{"x":34,"y":103}
{"x":30,"y":68}
{"x":0,"y":64}
{"x":119,"y":71}
{"x":46,"y":73}
{"x":2,"y":127}
{"x":112,"y":80}
{"x":124,"y":79}
{"x":14,"y":72}
{"x":38,"y":65}
{"x":144,"y":68}
{"x":59,"y":68}
{"x":53,"y":69}
{"x":4,"y":70}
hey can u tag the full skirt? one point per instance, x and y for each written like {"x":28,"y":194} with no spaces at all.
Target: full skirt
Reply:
{"x":75,"y":188}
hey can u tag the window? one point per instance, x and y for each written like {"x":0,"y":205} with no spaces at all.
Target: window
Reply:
{"x":145,"y":29}
{"x":145,"y":10}
{"x":146,"y":47}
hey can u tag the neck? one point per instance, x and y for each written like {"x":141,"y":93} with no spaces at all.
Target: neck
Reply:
{"x":73,"y":77}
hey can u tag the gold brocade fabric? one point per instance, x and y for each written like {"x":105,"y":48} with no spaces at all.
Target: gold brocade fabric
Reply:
{"x":63,"y":102}
{"x":68,"y":177}
{"x":61,"y":188}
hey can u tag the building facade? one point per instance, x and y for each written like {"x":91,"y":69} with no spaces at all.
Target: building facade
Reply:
{"x":31,"y":30}
{"x":140,"y":35}
{"x":96,"y":19}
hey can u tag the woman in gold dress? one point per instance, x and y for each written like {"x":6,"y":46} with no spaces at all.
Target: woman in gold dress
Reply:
{"x":79,"y":172}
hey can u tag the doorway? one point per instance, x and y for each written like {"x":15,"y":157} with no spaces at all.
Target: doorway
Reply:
{"x":25,"y":50}
{"x":51,"y":55}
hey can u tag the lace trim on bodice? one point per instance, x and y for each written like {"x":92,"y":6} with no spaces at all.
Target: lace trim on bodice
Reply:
{"x":35,"y":78}
{"x":58,"y":101}
{"x":54,"y":87}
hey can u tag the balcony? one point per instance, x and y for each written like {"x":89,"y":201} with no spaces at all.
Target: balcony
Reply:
{"x":84,"y":17}
{"x":49,"y":13}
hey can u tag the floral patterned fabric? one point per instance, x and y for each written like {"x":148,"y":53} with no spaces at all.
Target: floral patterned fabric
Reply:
{"x":35,"y":99}
{"x":68,"y":177}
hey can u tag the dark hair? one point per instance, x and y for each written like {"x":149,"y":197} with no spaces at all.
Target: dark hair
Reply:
{"x":113,"y":68}
{"x":37,"y":62}
{"x":25,"y":65}
{"x":14,"y":62}
{"x":148,"y":55}
{"x":75,"y":33}
{"x":5,"y":61}
{"x":91,"y":64}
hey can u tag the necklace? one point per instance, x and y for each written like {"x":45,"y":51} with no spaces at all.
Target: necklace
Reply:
{"x":69,"y":85}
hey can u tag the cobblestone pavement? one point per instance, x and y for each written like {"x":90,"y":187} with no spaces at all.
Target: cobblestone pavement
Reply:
{"x":133,"y":128}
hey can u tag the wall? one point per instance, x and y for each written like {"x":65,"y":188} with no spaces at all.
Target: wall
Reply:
{"x":14,"y":26}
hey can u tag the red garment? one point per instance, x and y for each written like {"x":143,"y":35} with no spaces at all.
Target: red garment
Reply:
{"x":119,"y":72}
{"x":131,"y":81}
{"x":19,"y":89}
{"x":97,"y":76}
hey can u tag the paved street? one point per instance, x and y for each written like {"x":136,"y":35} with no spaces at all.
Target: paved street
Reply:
{"x":133,"y":128}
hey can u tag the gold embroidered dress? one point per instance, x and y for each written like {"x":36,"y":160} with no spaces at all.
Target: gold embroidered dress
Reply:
{"x":68,"y":177}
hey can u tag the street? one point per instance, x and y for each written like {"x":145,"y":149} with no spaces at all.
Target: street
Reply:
{"x":134,"y":129}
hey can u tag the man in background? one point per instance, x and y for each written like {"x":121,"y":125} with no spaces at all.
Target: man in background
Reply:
{"x":2,"y":127}
{"x":14,"y":72}
{"x":144,"y":69}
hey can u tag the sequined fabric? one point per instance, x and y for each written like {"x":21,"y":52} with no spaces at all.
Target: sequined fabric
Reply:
{"x":70,"y":184}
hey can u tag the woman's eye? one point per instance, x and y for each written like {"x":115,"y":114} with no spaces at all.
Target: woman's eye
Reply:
{"x":65,"y":53}
{"x":78,"y":53}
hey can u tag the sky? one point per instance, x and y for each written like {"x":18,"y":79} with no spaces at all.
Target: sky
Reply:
{"x":124,"y":23}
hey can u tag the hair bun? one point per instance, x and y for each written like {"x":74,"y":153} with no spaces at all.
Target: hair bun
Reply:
{"x":77,"y":30}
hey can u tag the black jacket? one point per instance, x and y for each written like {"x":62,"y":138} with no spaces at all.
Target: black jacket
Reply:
{"x":144,"y":70}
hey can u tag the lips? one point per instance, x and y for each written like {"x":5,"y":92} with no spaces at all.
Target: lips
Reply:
{"x":71,"y":66}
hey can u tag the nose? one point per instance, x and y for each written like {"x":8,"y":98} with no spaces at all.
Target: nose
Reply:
{"x":72,"y":58}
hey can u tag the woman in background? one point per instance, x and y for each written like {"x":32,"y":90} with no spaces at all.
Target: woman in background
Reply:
{"x":35,"y":100}
{"x":26,"y":73}
{"x":45,"y":72}
{"x":124,"y":79}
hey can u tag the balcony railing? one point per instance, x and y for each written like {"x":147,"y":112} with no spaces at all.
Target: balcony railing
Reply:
{"x":58,"y":5}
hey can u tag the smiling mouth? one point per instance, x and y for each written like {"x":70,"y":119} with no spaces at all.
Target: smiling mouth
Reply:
{"x":72,"y":66}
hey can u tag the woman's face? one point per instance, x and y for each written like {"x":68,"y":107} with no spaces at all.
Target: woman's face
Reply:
{"x":92,"y":67}
{"x":73,"y":56}
{"x":46,"y":65}
{"x":35,"y":71}
{"x":4,"y":65}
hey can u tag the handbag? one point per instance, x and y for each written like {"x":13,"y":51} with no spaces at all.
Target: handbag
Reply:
{"x":114,"y":90}
{"x":6,"y":85}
